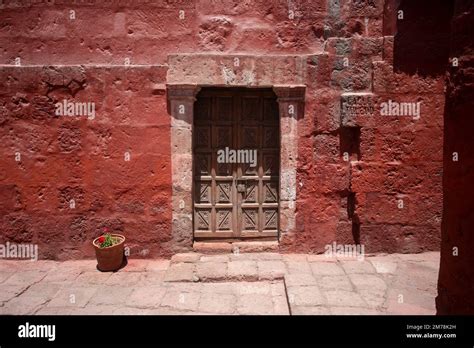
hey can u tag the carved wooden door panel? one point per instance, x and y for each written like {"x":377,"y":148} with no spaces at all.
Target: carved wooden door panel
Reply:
{"x":258,"y":128}
{"x":236,"y":198}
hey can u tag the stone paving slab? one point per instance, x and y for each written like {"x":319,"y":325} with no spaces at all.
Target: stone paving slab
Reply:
{"x":231,"y":284}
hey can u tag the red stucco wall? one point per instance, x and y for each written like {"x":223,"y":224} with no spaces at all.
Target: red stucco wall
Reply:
{"x":355,"y":200}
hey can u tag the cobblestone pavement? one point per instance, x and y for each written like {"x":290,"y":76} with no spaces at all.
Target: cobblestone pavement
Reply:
{"x":250,"y":283}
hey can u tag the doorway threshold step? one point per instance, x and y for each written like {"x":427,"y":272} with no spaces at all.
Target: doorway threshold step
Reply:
{"x":235,"y":247}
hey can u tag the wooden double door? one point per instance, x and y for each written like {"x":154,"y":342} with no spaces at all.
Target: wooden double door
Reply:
{"x":235,"y":197}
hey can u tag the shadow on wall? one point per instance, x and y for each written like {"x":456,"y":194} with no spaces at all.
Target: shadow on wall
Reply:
{"x":456,"y":278}
{"x":422,"y":41}
{"x":431,"y":34}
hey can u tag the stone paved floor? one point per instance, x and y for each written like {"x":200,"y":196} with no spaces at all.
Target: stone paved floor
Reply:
{"x":252,"y":283}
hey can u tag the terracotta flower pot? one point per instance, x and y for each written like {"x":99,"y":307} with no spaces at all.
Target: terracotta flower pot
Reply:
{"x":110,"y":258}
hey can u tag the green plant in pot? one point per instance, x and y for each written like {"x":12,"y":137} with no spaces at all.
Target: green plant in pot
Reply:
{"x":109,"y":250}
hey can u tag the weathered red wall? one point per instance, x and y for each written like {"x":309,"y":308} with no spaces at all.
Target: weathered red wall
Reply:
{"x":343,"y":201}
{"x":456,"y":279}
{"x":391,"y":158}
{"x":64,"y":158}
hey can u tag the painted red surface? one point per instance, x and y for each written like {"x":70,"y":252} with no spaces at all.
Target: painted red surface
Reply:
{"x":64,"y":158}
{"x":355,"y":200}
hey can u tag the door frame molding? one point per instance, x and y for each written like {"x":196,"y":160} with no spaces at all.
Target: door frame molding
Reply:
{"x":181,"y":98}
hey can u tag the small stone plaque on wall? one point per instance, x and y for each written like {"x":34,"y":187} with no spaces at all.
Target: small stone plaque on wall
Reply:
{"x":354,"y":106}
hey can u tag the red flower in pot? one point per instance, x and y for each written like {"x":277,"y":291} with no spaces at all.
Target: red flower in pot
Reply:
{"x":109,"y":250}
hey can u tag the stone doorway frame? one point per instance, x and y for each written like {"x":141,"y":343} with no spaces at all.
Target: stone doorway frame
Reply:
{"x":181,"y":98}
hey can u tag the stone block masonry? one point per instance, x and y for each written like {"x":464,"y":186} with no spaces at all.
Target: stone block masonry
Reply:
{"x":350,"y":175}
